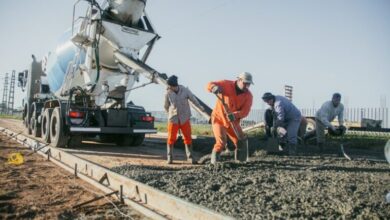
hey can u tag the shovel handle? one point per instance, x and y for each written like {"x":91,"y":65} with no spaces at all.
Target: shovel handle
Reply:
{"x":227,"y":111}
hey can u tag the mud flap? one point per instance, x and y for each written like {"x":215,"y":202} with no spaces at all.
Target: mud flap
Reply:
{"x":241,"y":153}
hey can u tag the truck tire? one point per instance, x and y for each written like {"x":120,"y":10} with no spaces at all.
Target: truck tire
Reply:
{"x":138,"y":139}
{"x":57,"y":134}
{"x":30,"y":117}
{"x":25,"y":116}
{"x":45,"y":126}
{"x":124,"y":140}
{"x":29,"y":130}
{"x":35,"y":128}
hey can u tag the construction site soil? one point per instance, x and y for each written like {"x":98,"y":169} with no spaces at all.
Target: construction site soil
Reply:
{"x":270,"y":186}
{"x":278,"y":187}
{"x":38,"y":189}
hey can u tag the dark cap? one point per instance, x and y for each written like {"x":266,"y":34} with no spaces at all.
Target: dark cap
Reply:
{"x":268,"y":96}
{"x":172,"y":81}
{"x":336,"y":96}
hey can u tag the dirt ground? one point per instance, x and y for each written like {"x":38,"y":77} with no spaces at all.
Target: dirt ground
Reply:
{"x":38,"y":189}
{"x":310,"y":185}
{"x":151,"y":153}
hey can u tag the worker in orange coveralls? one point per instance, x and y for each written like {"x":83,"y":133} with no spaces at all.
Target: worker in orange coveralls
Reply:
{"x":238,"y":99}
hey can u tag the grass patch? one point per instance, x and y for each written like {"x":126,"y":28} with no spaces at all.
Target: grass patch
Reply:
{"x":197,"y":129}
{"x":206,"y":130}
{"x":360,"y":141}
{"x":18,"y":117}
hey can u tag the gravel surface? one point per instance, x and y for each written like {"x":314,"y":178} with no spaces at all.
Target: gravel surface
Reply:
{"x":273,"y":186}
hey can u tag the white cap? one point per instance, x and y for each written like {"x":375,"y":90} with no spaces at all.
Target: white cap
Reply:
{"x":246,"y":77}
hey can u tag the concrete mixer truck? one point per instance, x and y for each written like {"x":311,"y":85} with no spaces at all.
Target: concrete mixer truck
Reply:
{"x":83,"y":88}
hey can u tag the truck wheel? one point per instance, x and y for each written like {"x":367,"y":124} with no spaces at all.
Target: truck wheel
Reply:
{"x":36,"y":130}
{"x":57,"y":135}
{"x":25,"y":116}
{"x":138,"y":139}
{"x":75,"y":141}
{"x":30,"y":119}
{"x":45,"y":126}
{"x":124,"y":140}
{"x":29,"y":130}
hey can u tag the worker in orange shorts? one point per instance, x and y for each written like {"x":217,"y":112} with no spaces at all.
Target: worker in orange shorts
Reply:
{"x":238,"y":99}
{"x":179,"y":113}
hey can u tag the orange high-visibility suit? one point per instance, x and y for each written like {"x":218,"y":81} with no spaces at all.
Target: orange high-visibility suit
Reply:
{"x":238,"y":102}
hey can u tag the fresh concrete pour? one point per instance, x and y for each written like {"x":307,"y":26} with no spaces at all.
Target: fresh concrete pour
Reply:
{"x":278,"y":187}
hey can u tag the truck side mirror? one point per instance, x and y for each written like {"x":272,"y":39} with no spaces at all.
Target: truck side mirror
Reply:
{"x":22,"y":79}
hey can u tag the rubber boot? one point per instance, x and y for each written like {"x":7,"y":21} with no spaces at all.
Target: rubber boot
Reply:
{"x":215,"y":157}
{"x":292,"y":149}
{"x":189,"y":153}
{"x":169,"y":153}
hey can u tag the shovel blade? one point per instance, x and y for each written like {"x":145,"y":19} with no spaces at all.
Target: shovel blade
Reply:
{"x":241,"y":153}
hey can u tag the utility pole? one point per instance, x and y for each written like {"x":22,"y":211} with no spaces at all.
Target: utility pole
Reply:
{"x":288,"y":92}
{"x":4,"y":108}
{"x":11,"y":96}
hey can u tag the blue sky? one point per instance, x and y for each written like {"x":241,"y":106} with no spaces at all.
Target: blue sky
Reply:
{"x":319,"y":47}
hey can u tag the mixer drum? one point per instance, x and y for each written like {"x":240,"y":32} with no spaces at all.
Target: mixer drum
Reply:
{"x":58,"y":61}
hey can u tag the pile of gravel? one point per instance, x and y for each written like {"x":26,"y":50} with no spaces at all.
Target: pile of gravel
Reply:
{"x":278,"y":187}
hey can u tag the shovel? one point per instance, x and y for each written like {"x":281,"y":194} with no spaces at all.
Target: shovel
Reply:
{"x":242,"y":152}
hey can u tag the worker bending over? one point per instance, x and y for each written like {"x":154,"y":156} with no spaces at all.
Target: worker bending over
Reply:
{"x":287,"y":120}
{"x":233,"y":104}
{"x":327,"y":113}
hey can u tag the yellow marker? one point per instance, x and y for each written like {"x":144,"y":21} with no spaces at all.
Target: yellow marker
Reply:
{"x":15,"y":158}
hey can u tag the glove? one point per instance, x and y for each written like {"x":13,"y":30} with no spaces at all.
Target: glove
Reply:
{"x":342,"y":129}
{"x":216,"y":89}
{"x":231,"y":117}
{"x":281,"y":131}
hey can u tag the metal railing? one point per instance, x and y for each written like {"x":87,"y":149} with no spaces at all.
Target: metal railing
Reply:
{"x":257,"y":115}
{"x":357,"y":114}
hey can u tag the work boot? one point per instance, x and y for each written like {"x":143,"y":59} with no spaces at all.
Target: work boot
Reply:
{"x":169,"y":153}
{"x":189,"y":153}
{"x":215,"y":156}
{"x":292,"y":149}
